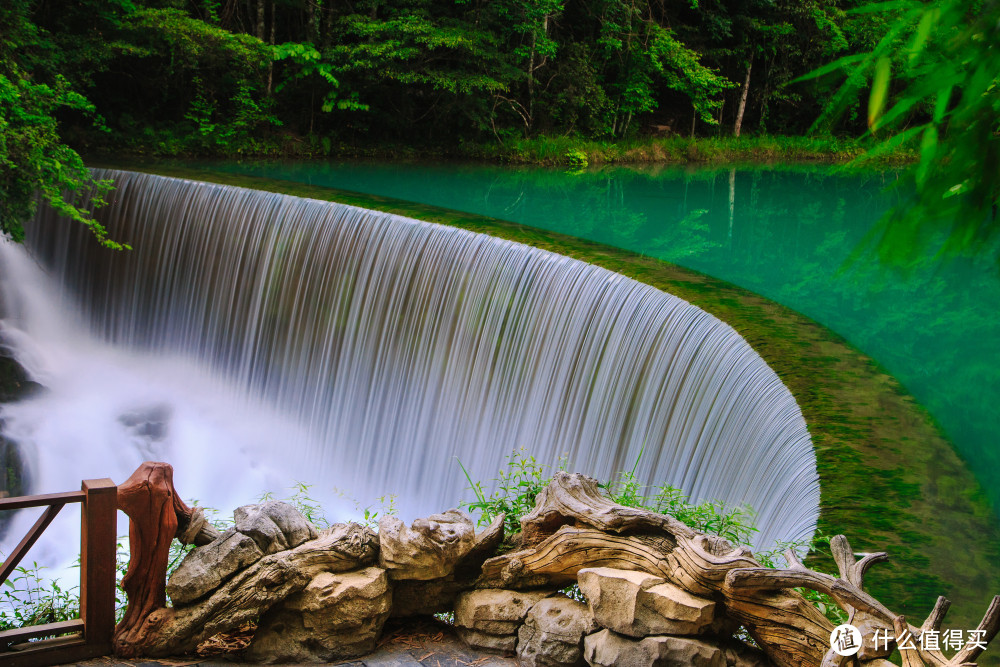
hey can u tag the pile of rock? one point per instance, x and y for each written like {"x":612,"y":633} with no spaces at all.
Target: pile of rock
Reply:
{"x":629,"y":618}
{"x":657,"y":591}
{"x":351,"y":580}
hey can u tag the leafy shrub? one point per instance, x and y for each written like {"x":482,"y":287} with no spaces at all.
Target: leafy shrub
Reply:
{"x":516,"y":488}
{"x":28,"y":598}
{"x":576,"y":158}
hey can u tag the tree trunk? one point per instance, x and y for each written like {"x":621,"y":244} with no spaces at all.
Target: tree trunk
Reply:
{"x":260,"y":20}
{"x":743,"y":102}
{"x":270,"y":64}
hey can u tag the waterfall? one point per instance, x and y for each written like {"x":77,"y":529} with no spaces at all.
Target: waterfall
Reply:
{"x":253,"y":338}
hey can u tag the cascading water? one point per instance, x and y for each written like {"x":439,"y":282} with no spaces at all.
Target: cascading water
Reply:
{"x":253,"y":339}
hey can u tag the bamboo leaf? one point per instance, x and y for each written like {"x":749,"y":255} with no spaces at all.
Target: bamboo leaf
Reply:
{"x":880,"y":90}
{"x":928,"y":151}
{"x":927,"y":22}
{"x":941,"y":104}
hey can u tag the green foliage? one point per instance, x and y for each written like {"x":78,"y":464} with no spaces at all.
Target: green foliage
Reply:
{"x":33,"y":157}
{"x":933,"y":85}
{"x":310,"y":65}
{"x":736,"y":524}
{"x":576,"y":158}
{"x":515,"y":489}
{"x":28,"y":598}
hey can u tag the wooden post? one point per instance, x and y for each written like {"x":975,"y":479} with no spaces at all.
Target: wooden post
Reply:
{"x":97,"y":562}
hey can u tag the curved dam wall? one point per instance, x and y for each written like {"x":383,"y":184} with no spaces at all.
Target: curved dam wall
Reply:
{"x":378,"y":350}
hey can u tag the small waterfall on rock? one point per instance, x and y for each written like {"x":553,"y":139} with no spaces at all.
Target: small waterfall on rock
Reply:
{"x":255,"y":339}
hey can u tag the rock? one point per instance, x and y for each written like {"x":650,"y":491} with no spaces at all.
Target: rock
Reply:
{"x":553,"y":632}
{"x":206,"y":568}
{"x":429,"y":549}
{"x":739,"y":654}
{"x":485,"y":546}
{"x":275,"y":526}
{"x":336,"y":616}
{"x":607,"y":649}
{"x":640,"y":604}
{"x":495,"y":611}
{"x":412,"y":597}
{"x":484,"y":641}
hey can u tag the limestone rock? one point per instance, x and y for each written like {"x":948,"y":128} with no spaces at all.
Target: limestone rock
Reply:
{"x":739,"y":654}
{"x":485,"y":546}
{"x":553,"y":633}
{"x":205,"y":568}
{"x":413,"y":597}
{"x":640,"y":604}
{"x":423,"y":598}
{"x":275,"y":526}
{"x":429,"y":548}
{"x":484,"y":641}
{"x":606,"y":649}
{"x":336,"y":616}
{"x":495,"y":611}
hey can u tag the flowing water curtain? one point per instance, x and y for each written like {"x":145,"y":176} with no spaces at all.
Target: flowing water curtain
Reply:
{"x":402,"y":345}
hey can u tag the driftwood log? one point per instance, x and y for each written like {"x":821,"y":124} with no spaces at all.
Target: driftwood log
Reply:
{"x":574,"y":526}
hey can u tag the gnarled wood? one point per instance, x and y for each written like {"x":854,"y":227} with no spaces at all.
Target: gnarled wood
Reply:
{"x":150,"y":501}
{"x":193,"y":527}
{"x":988,"y":626}
{"x":575,"y":499}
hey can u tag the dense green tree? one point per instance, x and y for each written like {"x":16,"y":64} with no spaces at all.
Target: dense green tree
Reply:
{"x":33,"y":158}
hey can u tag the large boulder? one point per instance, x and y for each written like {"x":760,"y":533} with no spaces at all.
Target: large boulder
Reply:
{"x":553,"y":633}
{"x":428,"y":549}
{"x":638,"y":604}
{"x":609,"y":649}
{"x":275,"y":526}
{"x":415,"y":597}
{"x":489,"y":618}
{"x":206,"y":568}
{"x":337,"y":616}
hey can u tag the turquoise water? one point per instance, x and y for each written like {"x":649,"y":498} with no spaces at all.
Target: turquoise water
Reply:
{"x":797,"y":236}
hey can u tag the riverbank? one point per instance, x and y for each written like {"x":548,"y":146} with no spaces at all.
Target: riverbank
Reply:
{"x":670,"y":149}
{"x":889,"y":478}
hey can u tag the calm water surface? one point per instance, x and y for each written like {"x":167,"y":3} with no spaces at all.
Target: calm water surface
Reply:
{"x":797,"y":236}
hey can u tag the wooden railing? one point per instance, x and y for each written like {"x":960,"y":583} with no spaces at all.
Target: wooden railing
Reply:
{"x":90,"y":635}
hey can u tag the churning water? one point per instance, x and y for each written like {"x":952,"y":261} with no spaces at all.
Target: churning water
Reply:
{"x":253,"y":339}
